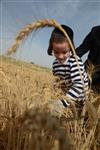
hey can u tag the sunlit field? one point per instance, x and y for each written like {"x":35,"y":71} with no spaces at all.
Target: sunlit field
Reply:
{"x":26,"y":121}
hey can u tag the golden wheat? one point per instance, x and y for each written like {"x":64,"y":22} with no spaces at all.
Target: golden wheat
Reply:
{"x":25,"y":86}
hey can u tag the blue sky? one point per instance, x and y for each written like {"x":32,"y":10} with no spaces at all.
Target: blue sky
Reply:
{"x":15,"y":14}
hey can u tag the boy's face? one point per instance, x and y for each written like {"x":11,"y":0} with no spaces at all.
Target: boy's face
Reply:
{"x":61,"y":51}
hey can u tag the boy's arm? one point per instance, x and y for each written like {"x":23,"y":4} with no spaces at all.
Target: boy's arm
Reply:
{"x":85,"y":46}
{"x":78,"y":85}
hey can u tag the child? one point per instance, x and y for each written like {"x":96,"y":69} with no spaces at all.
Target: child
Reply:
{"x":65,"y":67}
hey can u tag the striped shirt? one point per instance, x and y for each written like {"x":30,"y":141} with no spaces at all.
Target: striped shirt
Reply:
{"x":69,"y":72}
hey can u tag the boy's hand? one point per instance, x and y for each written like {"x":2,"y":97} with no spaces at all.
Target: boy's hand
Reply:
{"x":57,"y":107}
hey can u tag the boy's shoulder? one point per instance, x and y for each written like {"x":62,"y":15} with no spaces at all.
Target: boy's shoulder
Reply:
{"x":73,"y":62}
{"x":74,"y":57}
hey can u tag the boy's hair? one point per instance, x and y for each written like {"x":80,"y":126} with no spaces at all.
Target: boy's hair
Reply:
{"x":58,"y":36}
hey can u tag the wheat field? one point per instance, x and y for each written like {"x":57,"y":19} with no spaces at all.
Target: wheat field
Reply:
{"x":25,"y":119}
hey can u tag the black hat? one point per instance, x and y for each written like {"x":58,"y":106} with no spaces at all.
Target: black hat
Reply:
{"x":68,"y":30}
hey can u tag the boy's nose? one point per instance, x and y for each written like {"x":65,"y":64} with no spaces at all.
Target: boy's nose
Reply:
{"x":60,"y":56}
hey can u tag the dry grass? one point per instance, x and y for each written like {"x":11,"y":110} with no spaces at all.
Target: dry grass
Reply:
{"x":23,"y":86}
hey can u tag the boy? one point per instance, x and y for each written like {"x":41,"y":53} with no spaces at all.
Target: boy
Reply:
{"x":65,"y":67}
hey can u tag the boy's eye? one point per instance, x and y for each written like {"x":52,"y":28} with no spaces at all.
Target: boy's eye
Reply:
{"x":64,"y":52}
{"x":56,"y":52}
